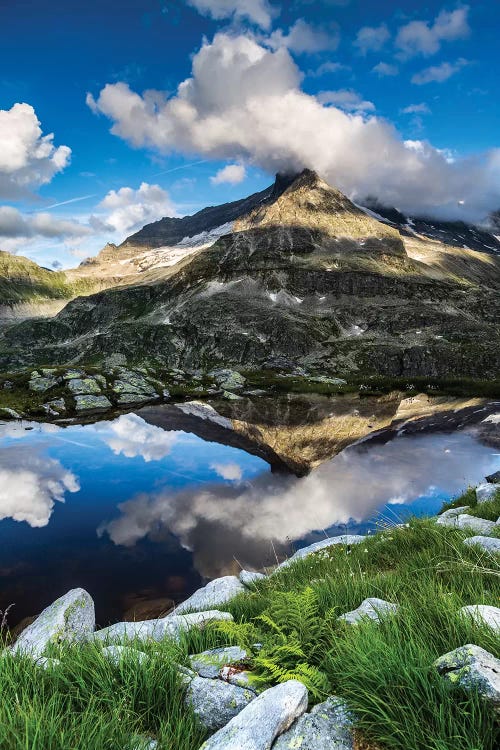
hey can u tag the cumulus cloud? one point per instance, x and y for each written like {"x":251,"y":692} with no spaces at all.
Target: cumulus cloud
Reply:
{"x":242,"y":521}
{"x":416,"y":109}
{"x":346,"y":99}
{"x":31,"y":484}
{"x":14,"y":224}
{"x":233,"y":174}
{"x":259,"y":12}
{"x":132,"y":437}
{"x":130,"y":209}
{"x":383,"y":69}
{"x":438,"y":73}
{"x":325,"y":68}
{"x":231,"y":472}
{"x":372,"y":38}
{"x":244,"y":102}
{"x":425,"y":38}
{"x":302,"y":38}
{"x":28,"y":158}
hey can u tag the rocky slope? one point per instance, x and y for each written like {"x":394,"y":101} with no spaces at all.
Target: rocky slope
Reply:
{"x":303,"y":274}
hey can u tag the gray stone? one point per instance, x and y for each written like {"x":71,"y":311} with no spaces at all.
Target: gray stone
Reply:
{"x":483,"y":614}
{"x":71,"y":374}
{"x":216,"y":592}
{"x":171,"y":626}
{"x":468,"y":523}
{"x":487,"y":543}
{"x":57,"y":405}
{"x":83,"y":386}
{"x":91,"y":403}
{"x":452,"y":513}
{"x":485,"y":492}
{"x":328,"y":727}
{"x":215,"y":702}
{"x":248,"y":578}
{"x":372,"y":608}
{"x":70,"y":618}
{"x":345,"y":539}
{"x":124,"y":399}
{"x":46,"y":663}
{"x":210,"y":663}
{"x":243,"y":678}
{"x":40,"y":385}
{"x":9,"y":413}
{"x":472,"y":668}
{"x":264,"y":719}
{"x":139,"y":742}
{"x":230,"y":396}
{"x":118,"y":654}
{"x":228,"y":380}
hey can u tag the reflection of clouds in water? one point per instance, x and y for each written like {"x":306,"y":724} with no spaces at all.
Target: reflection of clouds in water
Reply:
{"x":232,"y":472}
{"x":18,"y":431}
{"x":133,"y":437}
{"x":30,"y":483}
{"x":225,"y":521}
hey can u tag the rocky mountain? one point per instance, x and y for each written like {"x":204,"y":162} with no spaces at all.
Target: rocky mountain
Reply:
{"x":297,"y":272}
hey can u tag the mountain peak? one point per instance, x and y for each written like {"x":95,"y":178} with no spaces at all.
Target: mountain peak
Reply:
{"x":285,"y":180}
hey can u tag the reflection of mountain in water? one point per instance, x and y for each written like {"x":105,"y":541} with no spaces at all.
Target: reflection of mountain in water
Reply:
{"x":297,"y":433}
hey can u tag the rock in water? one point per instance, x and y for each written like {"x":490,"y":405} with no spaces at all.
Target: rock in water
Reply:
{"x":91,"y":403}
{"x":373,"y":609}
{"x":327,"y":727}
{"x":482,"y":614}
{"x":345,"y":539}
{"x":215,"y":593}
{"x":216,"y":702}
{"x":487,"y":543}
{"x":70,"y":618}
{"x":210,"y":663}
{"x":472,"y":668}
{"x":264,"y":719}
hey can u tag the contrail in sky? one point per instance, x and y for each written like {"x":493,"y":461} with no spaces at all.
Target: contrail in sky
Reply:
{"x":65,"y":203}
{"x":184,"y":166}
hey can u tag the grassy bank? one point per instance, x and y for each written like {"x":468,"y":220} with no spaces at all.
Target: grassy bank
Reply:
{"x":383,"y":670}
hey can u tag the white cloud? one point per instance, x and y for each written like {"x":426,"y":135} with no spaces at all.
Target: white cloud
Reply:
{"x":231,"y":472}
{"x":438,"y":73}
{"x":14,"y":224}
{"x":416,"y":109}
{"x":383,"y":69}
{"x":372,"y":38}
{"x":302,"y":38}
{"x":346,"y":99}
{"x":244,"y":102}
{"x":133,"y":437}
{"x":259,"y":12}
{"x":30,"y":484}
{"x":242,"y":520}
{"x":325,"y":68}
{"x":425,"y":38}
{"x":233,"y":174}
{"x":130,"y":209}
{"x":28,"y":158}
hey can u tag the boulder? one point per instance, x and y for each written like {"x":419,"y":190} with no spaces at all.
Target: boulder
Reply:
{"x":345,"y":539}
{"x":487,"y":543}
{"x":216,"y":592}
{"x":210,"y":663}
{"x":40,"y":385}
{"x":465,"y":522}
{"x":118,"y":654}
{"x":215,"y":702}
{"x":83,"y":386}
{"x":328,"y":727}
{"x":472,"y":668}
{"x":5,"y":412}
{"x":483,"y":614}
{"x":372,"y":608}
{"x":156,"y":630}
{"x":241,"y":677}
{"x":72,"y":374}
{"x":264,"y":719}
{"x":69,"y":619}
{"x":89,"y":403}
{"x":248,"y":578}
{"x":452,"y":513}
{"x":493,"y":478}
{"x":46,"y":663}
{"x":486,"y":491}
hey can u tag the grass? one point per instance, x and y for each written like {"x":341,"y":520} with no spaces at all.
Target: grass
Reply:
{"x":384,"y":670}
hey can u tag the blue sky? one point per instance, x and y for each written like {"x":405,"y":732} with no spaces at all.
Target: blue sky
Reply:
{"x":333,"y":77}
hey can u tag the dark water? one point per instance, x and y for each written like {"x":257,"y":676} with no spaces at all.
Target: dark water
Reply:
{"x":139,"y":515}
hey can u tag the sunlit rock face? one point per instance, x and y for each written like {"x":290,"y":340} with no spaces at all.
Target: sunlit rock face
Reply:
{"x":302,"y":273}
